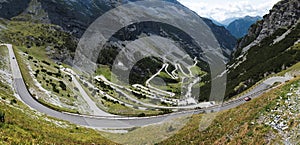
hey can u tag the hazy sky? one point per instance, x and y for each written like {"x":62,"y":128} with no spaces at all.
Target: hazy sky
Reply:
{"x":223,"y":9}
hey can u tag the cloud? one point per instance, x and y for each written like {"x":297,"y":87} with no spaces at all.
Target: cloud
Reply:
{"x":224,"y":9}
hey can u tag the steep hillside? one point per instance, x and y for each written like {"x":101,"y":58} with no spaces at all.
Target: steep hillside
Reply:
{"x":11,"y":8}
{"x":284,"y":14}
{"x":265,"y":59}
{"x":22,"y":125}
{"x":25,"y":126}
{"x":75,"y":16}
{"x":225,"y":38}
{"x":239,"y":27}
{"x":51,"y":38}
{"x":270,"y":119}
{"x":274,"y":45}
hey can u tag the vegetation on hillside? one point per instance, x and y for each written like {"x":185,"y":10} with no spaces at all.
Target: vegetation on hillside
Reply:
{"x":33,"y":35}
{"x":264,"y":59}
{"x":230,"y":127}
{"x":25,"y":126}
{"x":21,"y":125}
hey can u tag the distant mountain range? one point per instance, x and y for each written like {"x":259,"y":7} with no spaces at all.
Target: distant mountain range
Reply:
{"x":216,"y":22}
{"x":226,"y":22}
{"x":239,"y":27}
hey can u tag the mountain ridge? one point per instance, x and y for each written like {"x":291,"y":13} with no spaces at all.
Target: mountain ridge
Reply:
{"x":227,"y":21}
{"x":76,"y":16}
{"x":270,"y":46}
{"x":239,"y":27}
{"x":283,"y":14}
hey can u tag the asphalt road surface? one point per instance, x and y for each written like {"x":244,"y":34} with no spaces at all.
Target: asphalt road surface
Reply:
{"x":103,"y":122}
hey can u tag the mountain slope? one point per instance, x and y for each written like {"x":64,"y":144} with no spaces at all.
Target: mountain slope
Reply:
{"x":239,"y":27}
{"x":75,"y":16}
{"x":216,"y":22}
{"x":252,"y":123}
{"x":226,"y":40}
{"x":226,"y":22}
{"x":276,"y":47}
{"x":284,"y":14}
{"x":11,"y":8}
{"x":23,"y":125}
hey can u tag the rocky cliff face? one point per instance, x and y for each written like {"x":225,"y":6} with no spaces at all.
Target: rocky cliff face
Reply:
{"x":72,"y":15}
{"x":271,"y":46}
{"x":284,"y":14}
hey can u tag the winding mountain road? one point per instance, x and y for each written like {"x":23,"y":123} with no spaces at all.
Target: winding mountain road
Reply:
{"x":105,"y":122}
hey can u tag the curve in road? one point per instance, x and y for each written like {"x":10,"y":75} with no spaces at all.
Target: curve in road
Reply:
{"x":104,"y":122}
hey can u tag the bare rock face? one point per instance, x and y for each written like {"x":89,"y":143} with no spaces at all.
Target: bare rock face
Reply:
{"x":75,"y":16}
{"x":267,"y":48}
{"x":284,"y":14}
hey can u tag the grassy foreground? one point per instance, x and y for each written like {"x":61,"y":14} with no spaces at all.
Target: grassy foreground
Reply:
{"x":25,"y":126}
{"x":240,"y":125}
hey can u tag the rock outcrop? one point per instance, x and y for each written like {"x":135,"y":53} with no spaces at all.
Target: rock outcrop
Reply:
{"x":284,"y":14}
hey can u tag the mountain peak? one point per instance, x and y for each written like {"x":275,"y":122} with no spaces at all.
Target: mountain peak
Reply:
{"x":239,"y":27}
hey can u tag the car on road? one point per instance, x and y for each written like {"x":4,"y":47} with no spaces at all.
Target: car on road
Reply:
{"x":247,"y":99}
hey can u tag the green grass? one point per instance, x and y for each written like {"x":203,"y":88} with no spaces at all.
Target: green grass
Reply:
{"x":196,"y":71}
{"x":3,"y":55}
{"x":118,"y":109}
{"x":29,"y":35}
{"x":105,"y":71}
{"x":266,"y":58}
{"x":57,"y":108}
{"x":33,"y":39}
{"x":47,"y":81}
{"x":3,"y":21}
{"x":24,"y":126}
{"x":151,"y":134}
{"x":234,"y":126}
{"x":175,"y":85}
{"x":172,"y":85}
{"x":24,"y":69}
{"x":293,"y":70}
{"x":115,"y":107}
{"x":30,"y":83}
